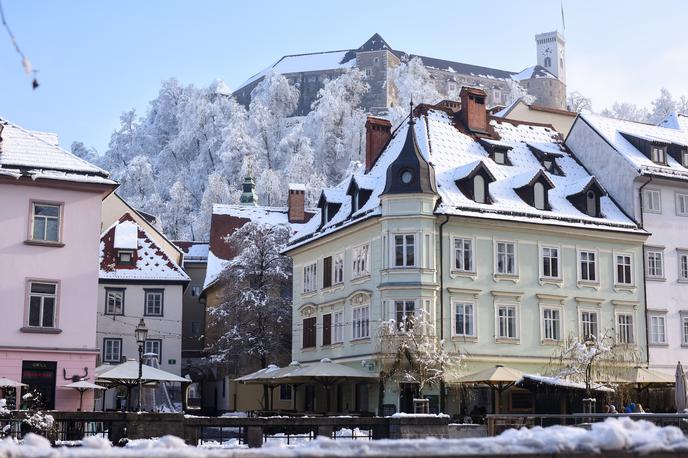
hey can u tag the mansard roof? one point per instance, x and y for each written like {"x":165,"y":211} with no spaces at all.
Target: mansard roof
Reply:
{"x":453,"y":152}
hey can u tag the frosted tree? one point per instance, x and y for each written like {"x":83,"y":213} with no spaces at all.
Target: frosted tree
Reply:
{"x":301,"y":164}
{"x":137,"y":183}
{"x":336,"y":125}
{"x":627,"y":111}
{"x":411,"y":81}
{"x":86,"y":153}
{"x":124,"y":144}
{"x":177,"y":213}
{"x":217,"y":191}
{"x":516,"y":91}
{"x":253,"y":319}
{"x":662,"y":106}
{"x":578,"y":103}
{"x":413,"y":353}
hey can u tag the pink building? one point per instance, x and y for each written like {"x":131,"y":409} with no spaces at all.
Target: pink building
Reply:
{"x":49,"y":248}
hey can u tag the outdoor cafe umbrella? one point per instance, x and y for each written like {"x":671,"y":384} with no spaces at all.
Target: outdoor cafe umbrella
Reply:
{"x":81,"y":386}
{"x":680,"y":394}
{"x":9,"y":383}
{"x":269,"y":376}
{"x":499,"y":378}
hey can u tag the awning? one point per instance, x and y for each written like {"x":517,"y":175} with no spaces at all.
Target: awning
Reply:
{"x":494,"y":376}
{"x":560,"y":383}
{"x":9,"y":383}
{"x":128,"y":374}
{"x":643,"y":376}
{"x":325,"y":372}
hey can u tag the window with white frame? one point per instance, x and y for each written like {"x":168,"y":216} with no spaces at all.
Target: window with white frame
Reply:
{"x":624,"y":269}
{"x":658,"y":154}
{"x":463,"y":255}
{"x":654,"y":259}
{"x":361,"y":322}
{"x":338,"y":269}
{"x":196,"y":290}
{"x":153,"y":346}
{"x":658,"y":329}
{"x":42,"y":304}
{"x":624,"y":328}
{"x":684,"y":157}
{"x":404,"y":246}
{"x":464,"y":319}
{"x":506,"y":258}
{"x":360,"y":259}
{"x":551,"y":323}
{"x":114,"y":301}
{"x":683,"y":266}
{"x":404,"y":312}
{"x":550,"y":261}
{"x":310,"y":278}
{"x":684,"y":330}
{"x":589,"y":323}
{"x":507,"y":322}
{"x":153,"y":302}
{"x":587,"y":265}
{"x":652,"y":200}
{"x":45,"y":224}
{"x":681,"y":204}
{"x":112,"y":350}
{"x":338,"y":327}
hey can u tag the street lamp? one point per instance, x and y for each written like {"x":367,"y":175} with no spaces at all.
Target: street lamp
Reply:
{"x":140,"y":333}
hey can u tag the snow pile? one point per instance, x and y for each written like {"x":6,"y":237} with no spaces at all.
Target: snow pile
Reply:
{"x":126,"y":235}
{"x":419,"y":415}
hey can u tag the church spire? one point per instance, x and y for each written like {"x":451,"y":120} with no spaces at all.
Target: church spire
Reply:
{"x":248,"y":195}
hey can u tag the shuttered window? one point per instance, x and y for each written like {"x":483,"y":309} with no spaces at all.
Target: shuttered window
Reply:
{"x":309,"y":332}
{"x":327,"y":329}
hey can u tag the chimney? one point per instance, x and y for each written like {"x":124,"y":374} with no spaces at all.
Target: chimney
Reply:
{"x":473,"y":109}
{"x":378,"y":133}
{"x":296,"y":212}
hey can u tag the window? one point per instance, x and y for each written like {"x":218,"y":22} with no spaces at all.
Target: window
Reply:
{"x":684,"y":330}
{"x":506,"y":322}
{"x":652,"y":201}
{"x":452,"y":87}
{"x":196,"y":329}
{"x":548,"y":62}
{"x":550,"y":262}
{"x":338,"y":327}
{"x":404,"y":245}
{"x":506,"y":258}
{"x":327,"y":329}
{"x":285,"y":392}
{"x":42,"y":303}
{"x":658,"y":154}
{"x":112,"y":350}
{"x":587,"y":261}
{"x":658,"y":329}
{"x":539,"y":196}
{"x":591,"y":203}
{"x":496,"y":96}
{"x":624,"y":269}
{"x":655,"y":263}
{"x":464,"y":319}
{"x":114,"y":301}
{"x":45,"y":222}
{"x":589,"y":322}
{"x":153,"y":347}
{"x":463,"y":255}
{"x":368,"y":72}
{"x":404,"y":311}
{"x":195,"y":290}
{"x":309,"y":278}
{"x":683,"y":266}
{"x":479,"y":189}
{"x":361,"y":322}
{"x":684,"y":157}
{"x":551,"y":323}
{"x":682,"y":204}
{"x":327,"y":272}
{"x":125,"y":258}
{"x":499,"y":157}
{"x":624,"y":322}
{"x":338,"y":269}
{"x":309,"y":332}
{"x":360,"y":261}
{"x":153,"y":302}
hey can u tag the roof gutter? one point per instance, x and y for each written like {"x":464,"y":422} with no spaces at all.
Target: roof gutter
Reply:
{"x":642,"y":226}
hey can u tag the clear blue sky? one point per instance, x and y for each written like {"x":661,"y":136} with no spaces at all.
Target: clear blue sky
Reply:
{"x":98,"y":59}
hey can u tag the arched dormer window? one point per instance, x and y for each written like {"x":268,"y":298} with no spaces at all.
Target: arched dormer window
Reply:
{"x":539,"y":196}
{"x":535,"y":191}
{"x":479,"y":189}
{"x":548,"y":62}
{"x":587,"y":200}
{"x":591,"y":203}
{"x":473,"y":181}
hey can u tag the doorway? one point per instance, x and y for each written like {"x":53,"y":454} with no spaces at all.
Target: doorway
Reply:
{"x":407,"y":393}
{"x":362,"y":397}
{"x":309,"y":401}
{"x":40,"y":376}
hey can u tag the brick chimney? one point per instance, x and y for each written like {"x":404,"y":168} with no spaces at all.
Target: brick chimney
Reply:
{"x":473,"y":109}
{"x":296,"y":212}
{"x":378,"y":133}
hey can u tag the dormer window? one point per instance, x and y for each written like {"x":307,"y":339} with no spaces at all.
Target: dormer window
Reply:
{"x":479,"y":189}
{"x":591,"y":203}
{"x":587,"y":200}
{"x":535,"y":192}
{"x":539,"y":196}
{"x":547,"y":155}
{"x":498,"y":151}
{"x":125,"y":257}
{"x":658,"y":154}
{"x":499,"y":157}
{"x":354,"y":201}
{"x":473,"y":180}
{"x":684,"y":157}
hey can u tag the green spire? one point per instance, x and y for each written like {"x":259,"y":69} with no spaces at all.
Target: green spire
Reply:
{"x":248,"y":196}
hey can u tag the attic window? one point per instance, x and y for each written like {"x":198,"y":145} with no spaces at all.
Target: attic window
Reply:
{"x":499,"y":157}
{"x":658,"y":154}
{"x":539,"y":196}
{"x":479,"y":191}
{"x":684,"y":157}
{"x":591,"y":203}
{"x":125,"y":257}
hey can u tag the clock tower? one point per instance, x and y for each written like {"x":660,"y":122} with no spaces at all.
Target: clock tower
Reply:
{"x":551,"y":53}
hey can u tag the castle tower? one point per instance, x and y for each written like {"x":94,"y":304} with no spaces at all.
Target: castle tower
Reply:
{"x":551,"y":53}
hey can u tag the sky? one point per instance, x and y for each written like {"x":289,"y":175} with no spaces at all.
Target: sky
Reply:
{"x":96,"y":60}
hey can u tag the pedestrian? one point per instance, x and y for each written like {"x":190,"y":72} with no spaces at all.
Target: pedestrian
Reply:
{"x":612,"y":409}
{"x":606,"y":408}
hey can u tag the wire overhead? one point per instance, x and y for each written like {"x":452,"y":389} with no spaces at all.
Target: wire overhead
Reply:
{"x":26,"y":63}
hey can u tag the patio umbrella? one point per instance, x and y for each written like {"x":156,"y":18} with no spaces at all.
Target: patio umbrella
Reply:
{"x":499,"y":378}
{"x":81,"y":386}
{"x":680,"y":395}
{"x":9,"y":383}
{"x":269,"y":376}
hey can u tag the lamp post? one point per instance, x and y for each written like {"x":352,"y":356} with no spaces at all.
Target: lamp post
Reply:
{"x":140,"y":333}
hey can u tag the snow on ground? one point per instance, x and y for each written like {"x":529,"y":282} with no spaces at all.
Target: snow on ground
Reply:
{"x":612,"y":434}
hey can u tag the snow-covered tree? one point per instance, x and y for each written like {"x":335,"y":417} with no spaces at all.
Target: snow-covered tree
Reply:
{"x":253,"y":318}
{"x":578,"y":102}
{"x":137,"y":183}
{"x":217,"y":191}
{"x":516,"y":91}
{"x":662,"y":106}
{"x":411,"y":82}
{"x":84,"y":152}
{"x":627,"y":111}
{"x":301,"y":164}
{"x":177,"y":213}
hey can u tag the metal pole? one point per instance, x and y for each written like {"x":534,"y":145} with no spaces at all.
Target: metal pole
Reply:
{"x":138,"y":409}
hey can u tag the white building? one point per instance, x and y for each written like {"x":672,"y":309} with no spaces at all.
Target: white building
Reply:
{"x":645,"y":169}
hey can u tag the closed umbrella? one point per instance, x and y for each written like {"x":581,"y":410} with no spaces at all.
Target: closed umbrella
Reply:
{"x":681,"y":399}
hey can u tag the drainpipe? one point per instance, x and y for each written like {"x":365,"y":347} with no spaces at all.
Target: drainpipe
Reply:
{"x":642,"y":226}
{"x":441,"y":269}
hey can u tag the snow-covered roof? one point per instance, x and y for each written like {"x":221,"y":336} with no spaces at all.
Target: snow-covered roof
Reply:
{"x":675,"y":121}
{"x":536,"y":71}
{"x":37,"y":155}
{"x":452,"y":151}
{"x":150,"y":262}
{"x":194,"y":251}
{"x":617,"y":131}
